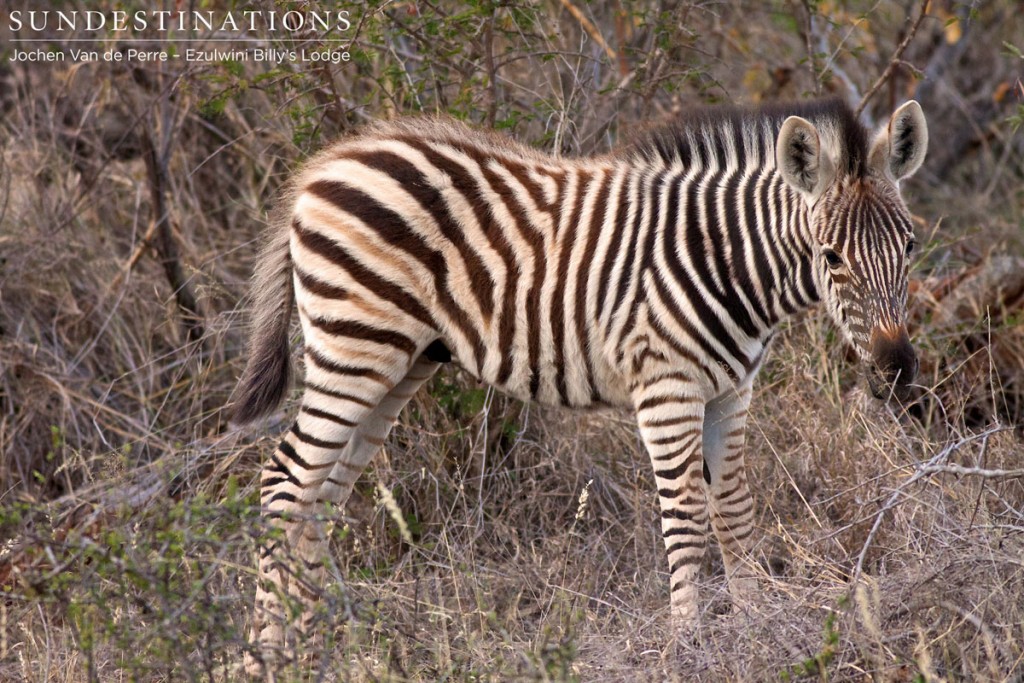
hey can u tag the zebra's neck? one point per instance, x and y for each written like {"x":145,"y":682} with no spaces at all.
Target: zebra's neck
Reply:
{"x":729,"y":222}
{"x":738,"y":240}
{"x":722,"y":253}
{"x":789,"y":250}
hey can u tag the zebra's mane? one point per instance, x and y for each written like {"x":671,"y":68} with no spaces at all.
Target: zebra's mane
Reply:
{"x":723,"y":126}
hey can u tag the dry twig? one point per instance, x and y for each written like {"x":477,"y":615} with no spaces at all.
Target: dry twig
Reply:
{"x":895,"y":60}
{"x":973,"y":471}
{"x":921,"y":472}
{"x":591,"y":30}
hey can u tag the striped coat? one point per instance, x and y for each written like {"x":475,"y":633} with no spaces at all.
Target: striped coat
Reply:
{"x":651,"y":278}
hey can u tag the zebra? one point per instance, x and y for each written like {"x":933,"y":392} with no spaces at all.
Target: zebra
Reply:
{"x":653,"y":278}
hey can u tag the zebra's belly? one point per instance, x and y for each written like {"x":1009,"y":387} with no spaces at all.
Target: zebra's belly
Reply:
{"x":579,"y":382}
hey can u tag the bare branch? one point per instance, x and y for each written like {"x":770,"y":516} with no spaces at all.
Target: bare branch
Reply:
{"x":591,"y":30}
{"x":808,"y":34}
{"x":895,"y":60}
{"x":167,"y":248}
{"x":973,"y":471}
{"x":936,"y":461}
{"x":491,"y":94}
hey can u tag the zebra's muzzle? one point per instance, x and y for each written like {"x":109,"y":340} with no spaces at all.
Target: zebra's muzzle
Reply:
{"x":894,"y":364}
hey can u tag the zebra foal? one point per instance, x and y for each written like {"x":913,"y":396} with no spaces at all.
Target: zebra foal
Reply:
{"x":651,"y":278}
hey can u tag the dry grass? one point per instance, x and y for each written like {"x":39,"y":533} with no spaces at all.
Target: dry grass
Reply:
{"x":505,"y":580}
{"x":892,"y":545}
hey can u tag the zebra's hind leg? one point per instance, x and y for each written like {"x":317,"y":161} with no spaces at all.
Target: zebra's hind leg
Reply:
{"x":367,"y":441}
{"x":290,"y":567}
{"x":338,"y":430}
{"x":732,"y":509}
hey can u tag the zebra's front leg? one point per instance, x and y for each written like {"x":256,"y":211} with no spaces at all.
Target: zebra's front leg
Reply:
{"x":732,"y":509}
{"x":670,"y":414}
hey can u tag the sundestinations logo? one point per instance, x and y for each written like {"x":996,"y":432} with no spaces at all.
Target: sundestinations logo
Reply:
{"x":184,"y":21}
{"x":246,"y":35}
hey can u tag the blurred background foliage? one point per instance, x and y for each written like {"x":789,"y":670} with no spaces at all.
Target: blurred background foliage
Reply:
{"x":132,"y":195}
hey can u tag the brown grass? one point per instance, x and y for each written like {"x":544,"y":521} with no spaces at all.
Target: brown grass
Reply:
{"x":891,"y":544}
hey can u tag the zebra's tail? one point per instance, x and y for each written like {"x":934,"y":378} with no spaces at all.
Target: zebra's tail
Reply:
{"x":265,"y":379}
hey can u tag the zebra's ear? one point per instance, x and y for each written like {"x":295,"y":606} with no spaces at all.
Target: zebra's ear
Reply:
{"x":899,"y":147}
{"x":799,"y":156}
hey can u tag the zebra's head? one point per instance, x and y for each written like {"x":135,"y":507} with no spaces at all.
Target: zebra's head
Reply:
{"x":861,"y":234}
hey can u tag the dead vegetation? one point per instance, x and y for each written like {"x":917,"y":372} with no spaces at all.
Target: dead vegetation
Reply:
{"x":131,"y":198}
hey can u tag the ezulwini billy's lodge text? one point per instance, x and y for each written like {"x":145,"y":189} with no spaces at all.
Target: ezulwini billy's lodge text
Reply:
{"x":260,"y":54}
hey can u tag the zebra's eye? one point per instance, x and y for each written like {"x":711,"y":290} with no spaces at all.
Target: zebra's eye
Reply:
{"x":910,"y":247}
{"x":833,"y":259}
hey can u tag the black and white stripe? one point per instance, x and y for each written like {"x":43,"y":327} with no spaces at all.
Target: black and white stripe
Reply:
{"x":651,"y":278}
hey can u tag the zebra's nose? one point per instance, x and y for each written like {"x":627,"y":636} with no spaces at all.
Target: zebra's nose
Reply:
{"x":894,"y":362}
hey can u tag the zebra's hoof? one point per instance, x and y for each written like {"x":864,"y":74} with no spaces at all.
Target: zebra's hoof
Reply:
{"x":256,"y":669}
{"x":685,"y":621}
